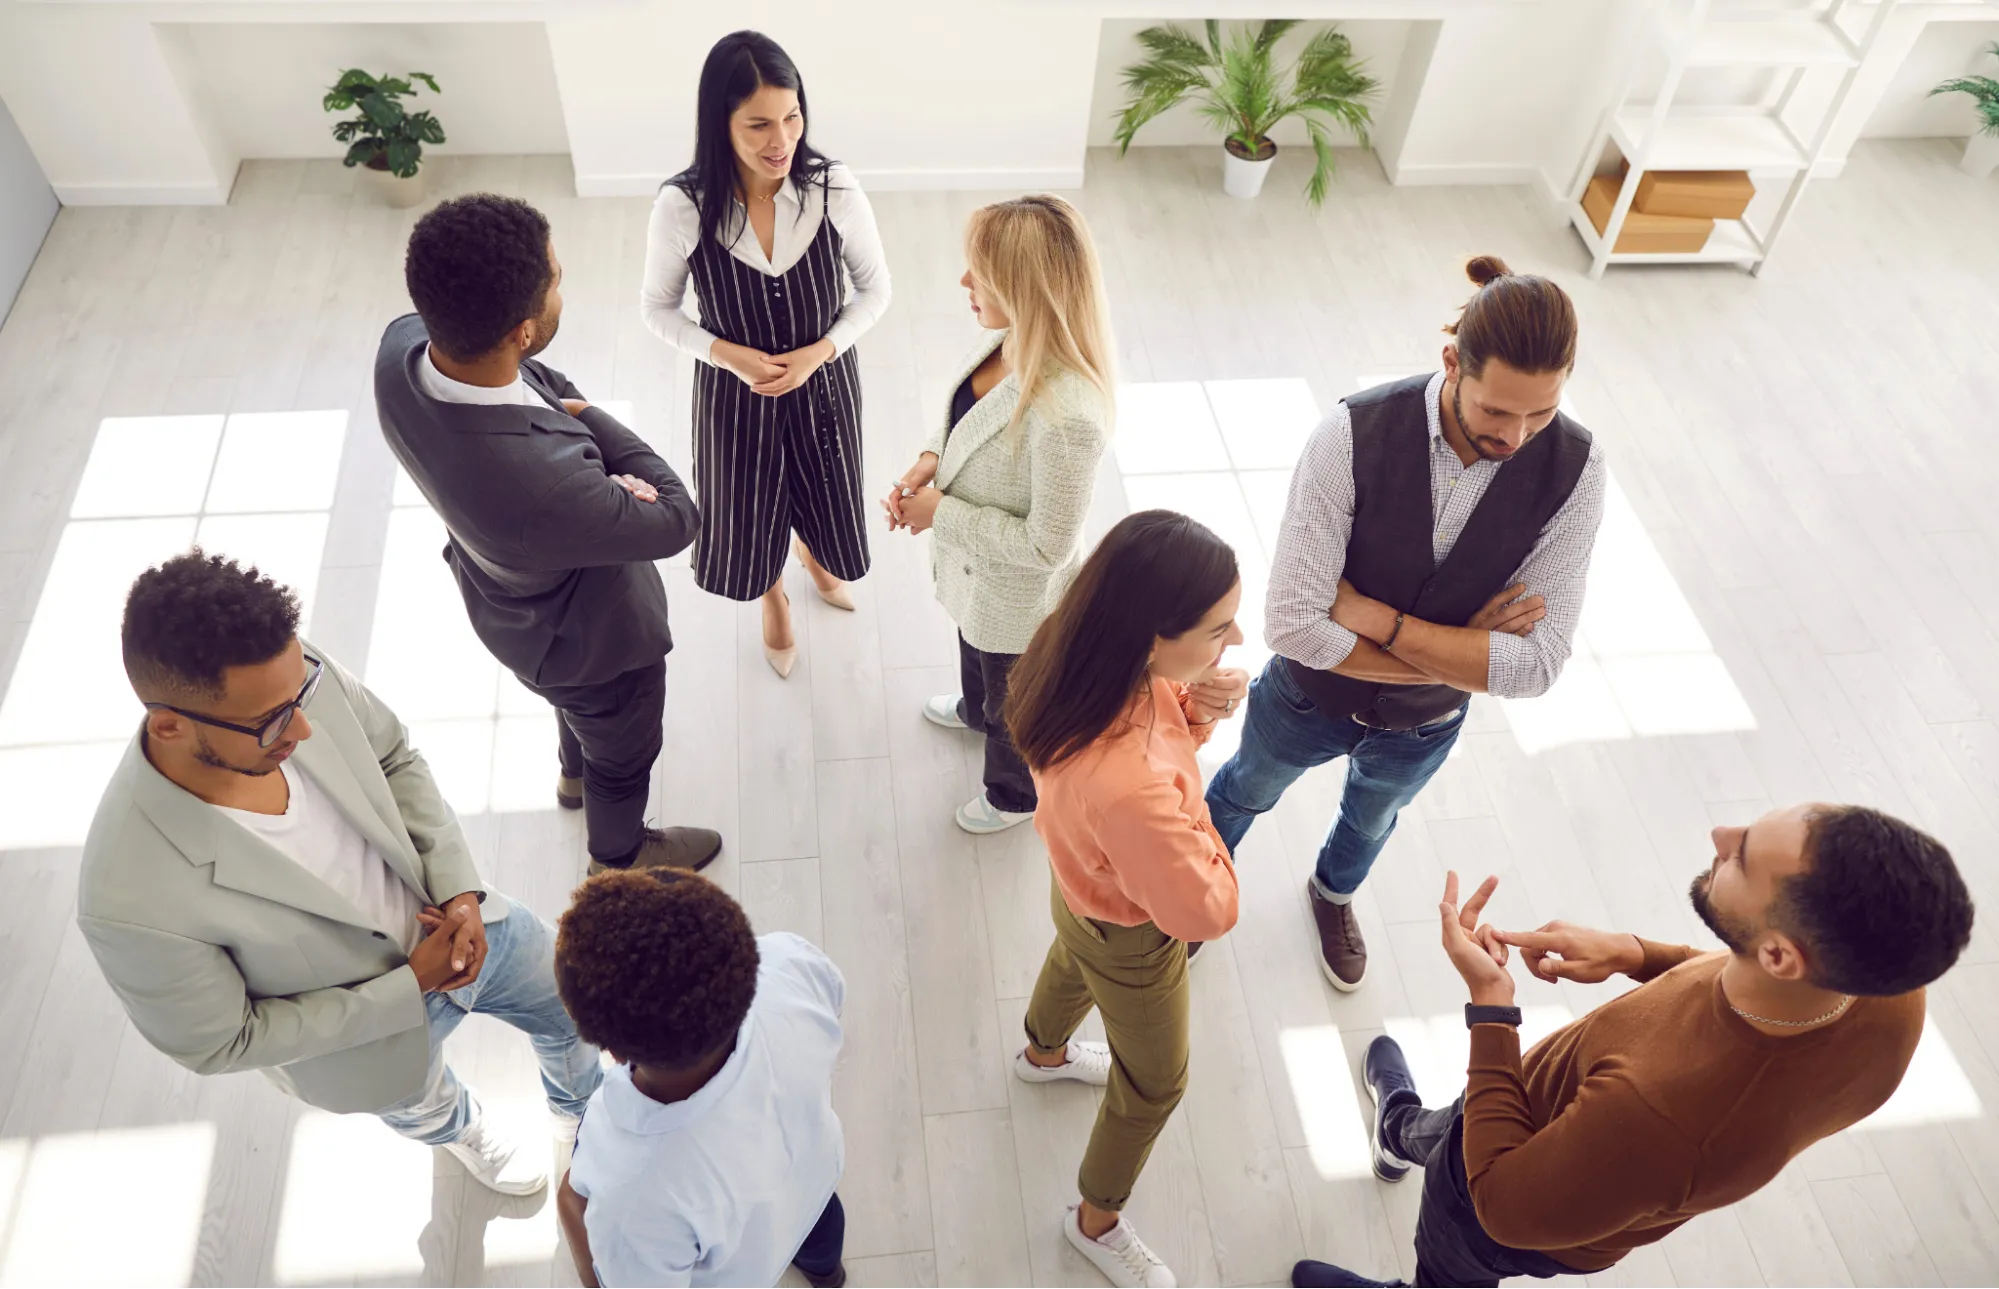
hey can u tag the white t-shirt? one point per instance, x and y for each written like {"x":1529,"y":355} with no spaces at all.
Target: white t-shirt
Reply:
{"x":722,"y":1188}
{"x":318,"y":838}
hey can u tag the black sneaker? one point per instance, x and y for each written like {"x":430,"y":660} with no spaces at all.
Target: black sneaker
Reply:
{"x":1387,"y":1072}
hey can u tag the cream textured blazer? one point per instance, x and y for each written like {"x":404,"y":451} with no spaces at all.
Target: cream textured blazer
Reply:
{"x":1009,"y":532}
{"x":230,"y":956}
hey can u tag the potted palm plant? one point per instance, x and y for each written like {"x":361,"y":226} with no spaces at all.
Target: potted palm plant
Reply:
{"x":385,"y":139}
{"x":1981,"y":150}
{"x":1236,"y":85}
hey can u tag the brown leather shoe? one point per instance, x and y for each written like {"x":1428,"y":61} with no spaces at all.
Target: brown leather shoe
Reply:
{"x":1342,"y":952}
{"x":690,"y":848}
{"x":568,"y":792}
{"x":838,"y":1280}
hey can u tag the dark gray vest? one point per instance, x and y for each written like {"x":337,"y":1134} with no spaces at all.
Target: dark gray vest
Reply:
{"x":1389,"y":556}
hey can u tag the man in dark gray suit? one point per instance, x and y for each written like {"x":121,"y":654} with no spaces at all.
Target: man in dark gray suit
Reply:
{"x":556,"y":511}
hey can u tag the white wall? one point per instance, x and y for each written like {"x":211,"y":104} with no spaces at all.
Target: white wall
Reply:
{"x":259,"y":84}
{"x":27,"y":208}
{"x":1379,"y":42}
{"x":1943,"y":51}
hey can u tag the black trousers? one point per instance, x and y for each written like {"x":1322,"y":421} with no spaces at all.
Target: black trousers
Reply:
{"x":610,"y":734}
{"x":819,"y":1256}
{"x":1009,"y":785}
{"x":1451,"y":1247}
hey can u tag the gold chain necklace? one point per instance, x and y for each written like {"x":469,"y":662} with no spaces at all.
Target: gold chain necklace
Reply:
{"x":1845,"y":1002}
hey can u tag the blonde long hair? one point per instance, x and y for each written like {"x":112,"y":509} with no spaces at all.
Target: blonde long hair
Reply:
{"x":1034,"y":255}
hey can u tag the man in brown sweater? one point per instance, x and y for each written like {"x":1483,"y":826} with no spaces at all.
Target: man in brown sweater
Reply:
{"x":1686,"y":1094}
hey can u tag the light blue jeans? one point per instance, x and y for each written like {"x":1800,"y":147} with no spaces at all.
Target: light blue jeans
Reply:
{"x":517,"y":985}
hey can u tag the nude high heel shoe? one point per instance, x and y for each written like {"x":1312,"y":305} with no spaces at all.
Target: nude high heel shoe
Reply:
{"x":838,"y":596}
{"x":782,"y":660}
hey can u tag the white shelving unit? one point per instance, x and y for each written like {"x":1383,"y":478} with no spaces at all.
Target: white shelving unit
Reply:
{"x":1788,"y":40}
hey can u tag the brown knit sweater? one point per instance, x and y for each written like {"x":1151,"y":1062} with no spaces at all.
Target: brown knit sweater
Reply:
{"x":1660,"y":1105}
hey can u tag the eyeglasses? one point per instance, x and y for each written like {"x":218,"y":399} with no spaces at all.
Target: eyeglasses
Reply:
{"x":275,"y":725}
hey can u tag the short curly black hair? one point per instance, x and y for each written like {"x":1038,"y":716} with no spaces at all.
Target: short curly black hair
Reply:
{"x":1879,"y":907}
{"x":477,"y":267}
{"x":193,"y":617}
{"x":655,"y":965}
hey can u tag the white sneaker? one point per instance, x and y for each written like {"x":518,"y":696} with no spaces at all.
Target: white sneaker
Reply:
{"x":566,"y":1126}
{"x":495,"y":1162}
{"x":943,"y":710}
{"x":978,"y":816}
{"x":1120,"y":1255}
{"x":1088,"y":1063}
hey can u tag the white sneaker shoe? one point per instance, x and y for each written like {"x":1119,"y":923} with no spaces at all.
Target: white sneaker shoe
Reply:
{"x":1120,"y":1255}
{"x":943,"y":710}
{"x":495,"y":1162}
{"x":1088,"y":1063}
{"x":978,"y":816}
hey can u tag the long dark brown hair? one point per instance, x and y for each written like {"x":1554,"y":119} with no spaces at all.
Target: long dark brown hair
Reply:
{"x":1154,"y":575}
{"x":1526,"y":322}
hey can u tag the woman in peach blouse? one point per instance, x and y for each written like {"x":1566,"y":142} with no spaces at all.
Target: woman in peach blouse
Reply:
{"x":1118,"y":689}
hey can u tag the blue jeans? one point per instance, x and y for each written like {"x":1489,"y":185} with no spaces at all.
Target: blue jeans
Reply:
{"x":1284,"y":735}
{"x":517,"y":985}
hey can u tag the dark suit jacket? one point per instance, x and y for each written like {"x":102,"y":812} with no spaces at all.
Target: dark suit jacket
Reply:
{"x":554,"y":557}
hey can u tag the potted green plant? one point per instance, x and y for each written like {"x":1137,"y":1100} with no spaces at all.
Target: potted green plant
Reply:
{"x":1981,"y":150}
{"x":1236,"y":85}
{"x":385,"y":139}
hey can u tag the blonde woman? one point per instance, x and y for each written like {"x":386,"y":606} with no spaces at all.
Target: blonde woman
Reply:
{"x":1005,"y":483}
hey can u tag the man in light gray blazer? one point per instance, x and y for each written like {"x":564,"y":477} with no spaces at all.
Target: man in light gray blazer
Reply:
{"x":274,"y":882}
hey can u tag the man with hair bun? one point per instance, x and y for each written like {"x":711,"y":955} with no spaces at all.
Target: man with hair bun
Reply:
{"x":710,"y":1155}
{"x":274,"y":882}
{"x":1434,"y":546}
{"x":1691,"y":1091}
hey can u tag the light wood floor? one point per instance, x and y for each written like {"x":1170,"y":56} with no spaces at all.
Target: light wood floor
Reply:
{"x":1795,"y":598}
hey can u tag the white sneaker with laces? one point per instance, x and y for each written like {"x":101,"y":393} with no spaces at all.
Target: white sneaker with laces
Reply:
{"x":495,"y":1162}
{"x":978,"y":816}
{"x":1087,"y":1063}
{"x":943,"y":710}
{"x":1119,"y":1254}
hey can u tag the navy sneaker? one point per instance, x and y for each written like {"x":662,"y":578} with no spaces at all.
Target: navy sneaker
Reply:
{"x":1387,"y":1073}
{"x":1324,"y":1275}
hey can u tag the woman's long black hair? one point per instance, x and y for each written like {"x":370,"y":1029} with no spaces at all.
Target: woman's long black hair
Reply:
{"x":1154,"y":575}
{"x":740,"y":64}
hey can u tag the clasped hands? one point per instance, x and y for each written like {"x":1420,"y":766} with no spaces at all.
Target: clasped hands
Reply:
{"x":453,"y":948}
{"x":1556,"y":951}
{"x":772,"y":374}
{"x":912,"y":502}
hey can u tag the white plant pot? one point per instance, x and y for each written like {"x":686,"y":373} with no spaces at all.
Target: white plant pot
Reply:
{"x":393,"y":191}
{"x":1981,"y":155}
{"x":1242,"y":178}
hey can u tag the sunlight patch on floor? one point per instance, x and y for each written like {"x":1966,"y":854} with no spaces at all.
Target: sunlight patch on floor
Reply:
{"x":115,"y":1207}
{"x":257,"y":487}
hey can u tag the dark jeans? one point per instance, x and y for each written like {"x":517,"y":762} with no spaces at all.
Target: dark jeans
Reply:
{"x":610,"y":734}
{"x":1284,"y":735}
{"x":1009,"y":785}
{"x":1451,"y":1247}
{"x":819,"y":1256}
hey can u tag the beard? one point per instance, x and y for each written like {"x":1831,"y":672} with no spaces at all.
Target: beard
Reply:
{"x":1732,"y":933}
{"x":207,"y":755}
{"x":545,"y":328}
{"x":1464,"y":427}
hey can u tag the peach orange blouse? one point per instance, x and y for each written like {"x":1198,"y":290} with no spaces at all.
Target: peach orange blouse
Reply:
{"x":1127,"y":830}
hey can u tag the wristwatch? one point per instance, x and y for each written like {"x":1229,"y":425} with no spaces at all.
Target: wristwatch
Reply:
{"x":1477,"y":1015}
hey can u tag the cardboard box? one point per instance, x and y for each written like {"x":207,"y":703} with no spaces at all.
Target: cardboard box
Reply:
{"x":1643,"y":232}
{"x":1695,"y":194}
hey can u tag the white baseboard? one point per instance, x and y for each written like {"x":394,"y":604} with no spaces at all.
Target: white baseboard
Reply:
{"x":118,"y":194}
{"x":1406,"y":176}
{"x":613,"y":185}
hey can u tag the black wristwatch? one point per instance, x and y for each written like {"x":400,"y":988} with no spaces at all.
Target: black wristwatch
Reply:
{"x":1477,"y":1015}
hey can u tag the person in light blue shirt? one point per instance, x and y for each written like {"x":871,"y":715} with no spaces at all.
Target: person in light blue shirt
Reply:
{"x":710,"y":1155}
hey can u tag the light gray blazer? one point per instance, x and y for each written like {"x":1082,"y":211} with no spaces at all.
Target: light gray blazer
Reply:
{"x":1008,"y":536}
{"x":229,"y":956}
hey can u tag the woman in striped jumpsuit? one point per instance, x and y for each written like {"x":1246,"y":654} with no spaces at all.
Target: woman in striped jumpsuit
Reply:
{"x":768,"y":231}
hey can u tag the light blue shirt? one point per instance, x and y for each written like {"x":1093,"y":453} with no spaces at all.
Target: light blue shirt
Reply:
{"x":722,"y":1188}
